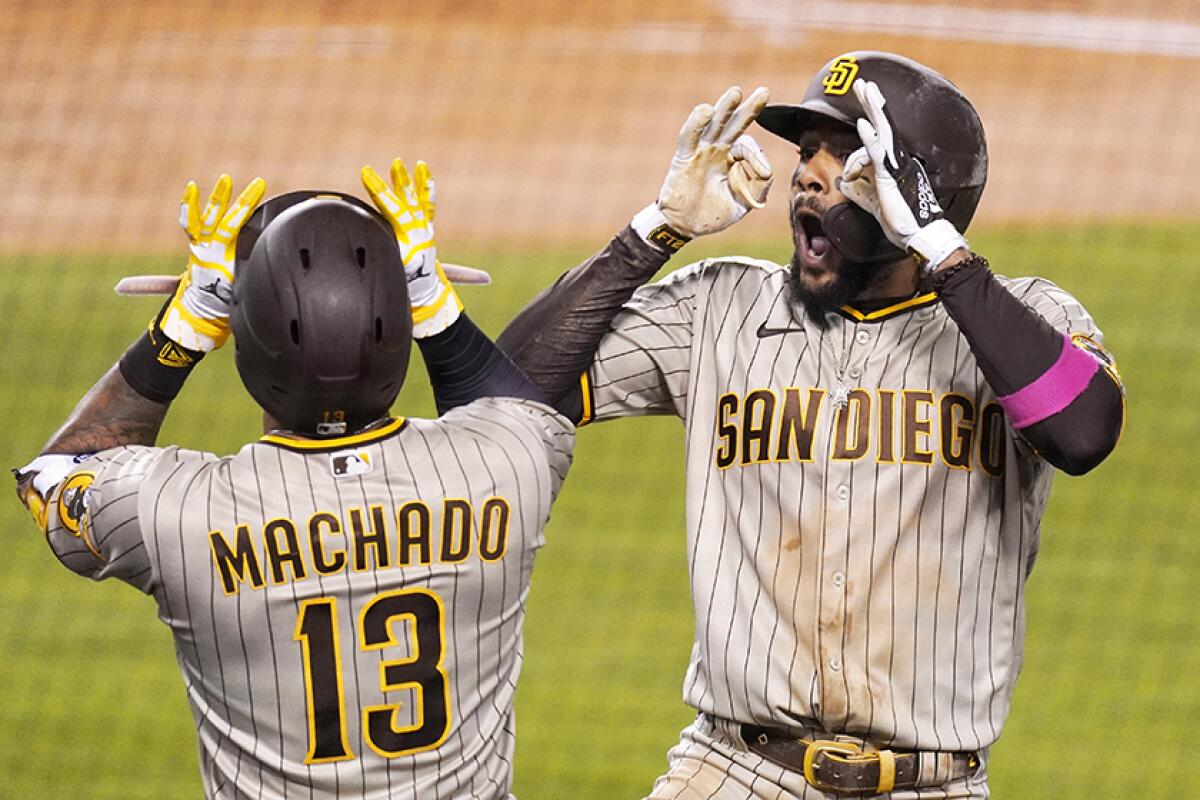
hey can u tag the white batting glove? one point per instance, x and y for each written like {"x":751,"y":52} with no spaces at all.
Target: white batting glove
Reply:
{"x":198,"y":315}
{"x":410,"y":209}
{"x":897,"y":191}
{"x":718,"y":172}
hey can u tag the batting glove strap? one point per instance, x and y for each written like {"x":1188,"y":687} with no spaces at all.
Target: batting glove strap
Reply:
{"x":651,"y":225}
{"x":934,"y":243}
{"x":433,"y":319}
{"x":190,"y":321}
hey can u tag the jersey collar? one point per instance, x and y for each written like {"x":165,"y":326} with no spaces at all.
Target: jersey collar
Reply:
{"x":920,"y":301}
{"x":290,"y":441}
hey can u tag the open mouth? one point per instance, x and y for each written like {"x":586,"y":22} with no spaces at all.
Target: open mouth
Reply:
{"x":811,"y":242}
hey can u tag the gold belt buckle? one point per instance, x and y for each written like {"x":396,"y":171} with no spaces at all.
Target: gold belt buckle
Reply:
{"x":815,"y":749}
{"x":852,"y":754}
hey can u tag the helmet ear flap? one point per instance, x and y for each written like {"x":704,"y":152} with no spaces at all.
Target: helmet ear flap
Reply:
{"x":857,"y":236}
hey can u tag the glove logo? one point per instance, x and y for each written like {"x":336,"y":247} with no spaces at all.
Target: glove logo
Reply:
{"x":668,"y":237}
{"x":172,"y":355}
{"x":841,"y":76}
{"x":218,"y":290}
{"x":421,"y":271}
{"x":927,"y":204}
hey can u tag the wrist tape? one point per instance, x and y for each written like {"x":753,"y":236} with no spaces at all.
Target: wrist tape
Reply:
{"x":155,"y":366}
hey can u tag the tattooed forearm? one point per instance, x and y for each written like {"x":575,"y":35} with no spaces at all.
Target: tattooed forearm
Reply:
{"x":110,"y":415}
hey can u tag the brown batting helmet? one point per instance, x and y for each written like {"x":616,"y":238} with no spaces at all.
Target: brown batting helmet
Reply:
{"x":320,"y":312}
{"x":934,"y":122}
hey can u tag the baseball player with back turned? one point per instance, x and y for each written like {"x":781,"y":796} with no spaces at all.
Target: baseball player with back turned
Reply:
{"x":871,"y":434}
{"x":346,"y":594}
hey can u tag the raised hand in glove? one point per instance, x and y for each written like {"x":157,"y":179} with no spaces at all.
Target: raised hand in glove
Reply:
{"x":197,"y":316}
{"x":718,"y":172}
{"x":897,"y":191}
{"x":410,"y":208}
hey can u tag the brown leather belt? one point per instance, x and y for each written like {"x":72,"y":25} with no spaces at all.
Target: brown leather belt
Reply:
{"x":842,"y":767}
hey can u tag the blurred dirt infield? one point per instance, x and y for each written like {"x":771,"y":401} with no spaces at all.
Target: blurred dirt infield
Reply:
{"x":544,"y":121}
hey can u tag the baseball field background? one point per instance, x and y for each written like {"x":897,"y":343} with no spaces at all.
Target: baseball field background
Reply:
{"x":548,"y":123}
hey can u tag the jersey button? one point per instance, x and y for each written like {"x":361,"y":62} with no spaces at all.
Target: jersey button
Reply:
{"x":838,"y":579}
{"x":843,"y":492}
{"x":862,"y":337}
{"x":835,"y":664}
{"x":855,"y":372}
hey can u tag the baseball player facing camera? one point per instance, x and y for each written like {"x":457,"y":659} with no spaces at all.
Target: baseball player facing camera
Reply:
{"x":347,"y":593}
{"x":871,"y":434}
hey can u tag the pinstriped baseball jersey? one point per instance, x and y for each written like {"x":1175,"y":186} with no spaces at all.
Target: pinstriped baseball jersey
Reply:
{"x":347,"y":614}
{"x":861,"y":518}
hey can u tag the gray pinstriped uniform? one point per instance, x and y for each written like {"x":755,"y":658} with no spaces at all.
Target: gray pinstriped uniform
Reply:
{"x":854,"y":570}
{"x":355,"y":559}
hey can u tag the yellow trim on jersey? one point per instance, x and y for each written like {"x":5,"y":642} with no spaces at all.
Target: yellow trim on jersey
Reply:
{"x":914,"y":302}
{"x":336,"y":443}
{"x":585,"y":384}
{"x":1096,"y":350}
{"x":1108,"y":364}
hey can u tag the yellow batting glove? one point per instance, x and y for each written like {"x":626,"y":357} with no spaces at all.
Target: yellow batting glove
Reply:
{"x":197,"y":317}
{"x":410,"y":208}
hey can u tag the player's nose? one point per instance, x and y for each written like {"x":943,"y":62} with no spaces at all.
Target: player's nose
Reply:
{"x":817,"y":175}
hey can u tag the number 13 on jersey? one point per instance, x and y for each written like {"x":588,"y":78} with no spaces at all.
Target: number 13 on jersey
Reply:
{"x":421,"y":673}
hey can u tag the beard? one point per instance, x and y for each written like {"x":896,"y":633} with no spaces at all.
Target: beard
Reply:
{"x":851,"y":278}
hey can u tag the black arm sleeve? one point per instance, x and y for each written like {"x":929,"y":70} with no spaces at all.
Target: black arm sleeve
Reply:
{"x":1014,"y":345}
{"x":554,"y":338}
{"x":465,"y":365}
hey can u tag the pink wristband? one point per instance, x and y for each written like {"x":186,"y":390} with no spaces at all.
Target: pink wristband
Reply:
{"x":1053,"y":390}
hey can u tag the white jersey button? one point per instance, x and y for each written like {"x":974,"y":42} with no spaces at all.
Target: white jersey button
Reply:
{"x":862,"y":337}
{"x":843,"y":492}
{"x":838,"y":579}
{"x":835,"y":664}
{"x":855,"y":372}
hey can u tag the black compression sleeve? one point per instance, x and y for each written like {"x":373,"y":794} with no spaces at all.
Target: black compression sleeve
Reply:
{"x":554,"y":338}
{"x":465,"y":365}
{"x":1014,"y":345}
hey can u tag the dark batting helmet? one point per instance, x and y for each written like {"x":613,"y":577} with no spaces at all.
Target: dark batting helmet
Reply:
{"x":320,"y":314}
{"x":934,"y":122}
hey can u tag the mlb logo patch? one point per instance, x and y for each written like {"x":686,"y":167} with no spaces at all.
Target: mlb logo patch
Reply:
{"x":348,"y":463}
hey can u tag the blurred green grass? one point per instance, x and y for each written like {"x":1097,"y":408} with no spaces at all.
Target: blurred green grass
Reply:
{"x":91,"y":705}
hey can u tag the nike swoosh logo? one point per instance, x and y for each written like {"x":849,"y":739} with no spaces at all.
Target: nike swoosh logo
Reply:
{"x":764,"y":331}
